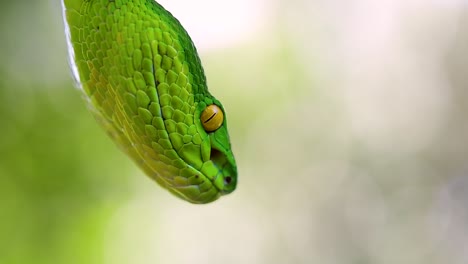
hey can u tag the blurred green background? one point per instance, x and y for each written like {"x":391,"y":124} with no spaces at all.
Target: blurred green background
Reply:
{"x":347,"y":119}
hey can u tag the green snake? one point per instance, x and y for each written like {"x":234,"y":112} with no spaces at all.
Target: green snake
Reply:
{"x":144,"y":82}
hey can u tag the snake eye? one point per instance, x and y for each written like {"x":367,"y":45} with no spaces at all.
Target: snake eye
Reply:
{"x":212,"y":118}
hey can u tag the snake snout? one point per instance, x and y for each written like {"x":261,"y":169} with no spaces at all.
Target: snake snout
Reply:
{"x":226,"y":172}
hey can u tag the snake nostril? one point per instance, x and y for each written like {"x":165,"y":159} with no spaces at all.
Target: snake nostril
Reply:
{"x":228,"y":180}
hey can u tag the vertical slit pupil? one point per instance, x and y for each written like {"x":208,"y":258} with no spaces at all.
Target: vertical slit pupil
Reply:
{"x":211,"y":117}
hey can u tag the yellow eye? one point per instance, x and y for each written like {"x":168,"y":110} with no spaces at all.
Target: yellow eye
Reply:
{"x":212,"y":118}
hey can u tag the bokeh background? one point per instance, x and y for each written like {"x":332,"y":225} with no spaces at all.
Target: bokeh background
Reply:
{"x":348,"y":120}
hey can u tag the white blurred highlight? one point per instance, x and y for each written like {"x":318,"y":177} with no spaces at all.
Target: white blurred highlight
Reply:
{"x":218,"y":24}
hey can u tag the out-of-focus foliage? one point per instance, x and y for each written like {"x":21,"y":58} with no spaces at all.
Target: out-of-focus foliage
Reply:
{"x":58,"y":184}
{"x":348,"y":121}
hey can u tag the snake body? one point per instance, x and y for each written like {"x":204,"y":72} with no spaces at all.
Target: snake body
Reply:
{"x":141,"y":74}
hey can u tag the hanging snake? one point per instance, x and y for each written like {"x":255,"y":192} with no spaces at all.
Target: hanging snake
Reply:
{"x":143,"y":80}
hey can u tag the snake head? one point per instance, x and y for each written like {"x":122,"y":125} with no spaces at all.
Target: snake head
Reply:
{"x":208,"y":155}
{"x":220,"y":166}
